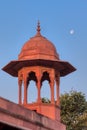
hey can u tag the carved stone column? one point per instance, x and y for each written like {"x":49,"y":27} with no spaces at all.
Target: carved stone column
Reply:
{"x":52,"y":91}
{"x":25,"y":90}
{"x":20,"y":91}
{"x":52,"y":79}
{"x":39,"y":93}
{"x":57,"y":88}
{"x":38,"y":87}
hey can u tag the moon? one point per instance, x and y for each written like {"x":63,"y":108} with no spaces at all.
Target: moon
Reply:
{"x":72,"y":31}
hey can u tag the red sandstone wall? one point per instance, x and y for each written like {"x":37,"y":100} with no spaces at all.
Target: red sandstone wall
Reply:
{"x":22,"y":118}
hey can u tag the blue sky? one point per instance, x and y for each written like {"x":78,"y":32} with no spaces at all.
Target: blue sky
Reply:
{"x":18,"y":21}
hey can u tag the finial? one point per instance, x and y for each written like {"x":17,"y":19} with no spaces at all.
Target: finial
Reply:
{"x":38,"y":27}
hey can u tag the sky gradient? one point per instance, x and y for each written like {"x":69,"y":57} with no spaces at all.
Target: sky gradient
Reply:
{"x":18,"y":22}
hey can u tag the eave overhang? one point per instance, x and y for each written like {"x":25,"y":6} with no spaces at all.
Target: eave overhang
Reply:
{"x":63,"y":67}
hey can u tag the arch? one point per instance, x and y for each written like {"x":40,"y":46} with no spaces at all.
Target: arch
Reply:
{"x":31,"y":87}
{"x":31,"y":76}
{"x":45,"y":88}
{"x":32,"y":92}
{"x":45,"y":76}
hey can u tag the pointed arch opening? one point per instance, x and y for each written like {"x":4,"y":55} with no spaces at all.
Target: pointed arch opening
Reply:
{"x":45,"y":88}
{"x":32,"y":89}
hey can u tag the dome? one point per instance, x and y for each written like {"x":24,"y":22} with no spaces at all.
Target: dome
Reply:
{"x":38,"y":51}
{"x":38,"y":47}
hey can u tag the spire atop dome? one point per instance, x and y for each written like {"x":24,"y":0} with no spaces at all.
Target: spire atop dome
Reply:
{"x":38,"y":28}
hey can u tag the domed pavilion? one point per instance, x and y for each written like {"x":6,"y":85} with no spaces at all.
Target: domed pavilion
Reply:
{"x":39,"y":61}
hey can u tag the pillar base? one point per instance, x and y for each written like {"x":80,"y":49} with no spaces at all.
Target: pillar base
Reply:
{"x":50,"y":110}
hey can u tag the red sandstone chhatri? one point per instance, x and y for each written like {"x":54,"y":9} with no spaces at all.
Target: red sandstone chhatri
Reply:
{"x":39,"y":61}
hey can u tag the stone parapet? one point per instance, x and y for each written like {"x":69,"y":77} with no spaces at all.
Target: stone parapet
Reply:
{"x":25,"y":119}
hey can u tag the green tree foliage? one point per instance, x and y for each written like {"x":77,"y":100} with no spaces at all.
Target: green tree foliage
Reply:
{"x":82,"y":121}
{"x":73,"y":107}
{"x":45,"y":100}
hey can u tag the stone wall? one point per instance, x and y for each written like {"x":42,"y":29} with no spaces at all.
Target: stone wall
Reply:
{"x":25,"y":119}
